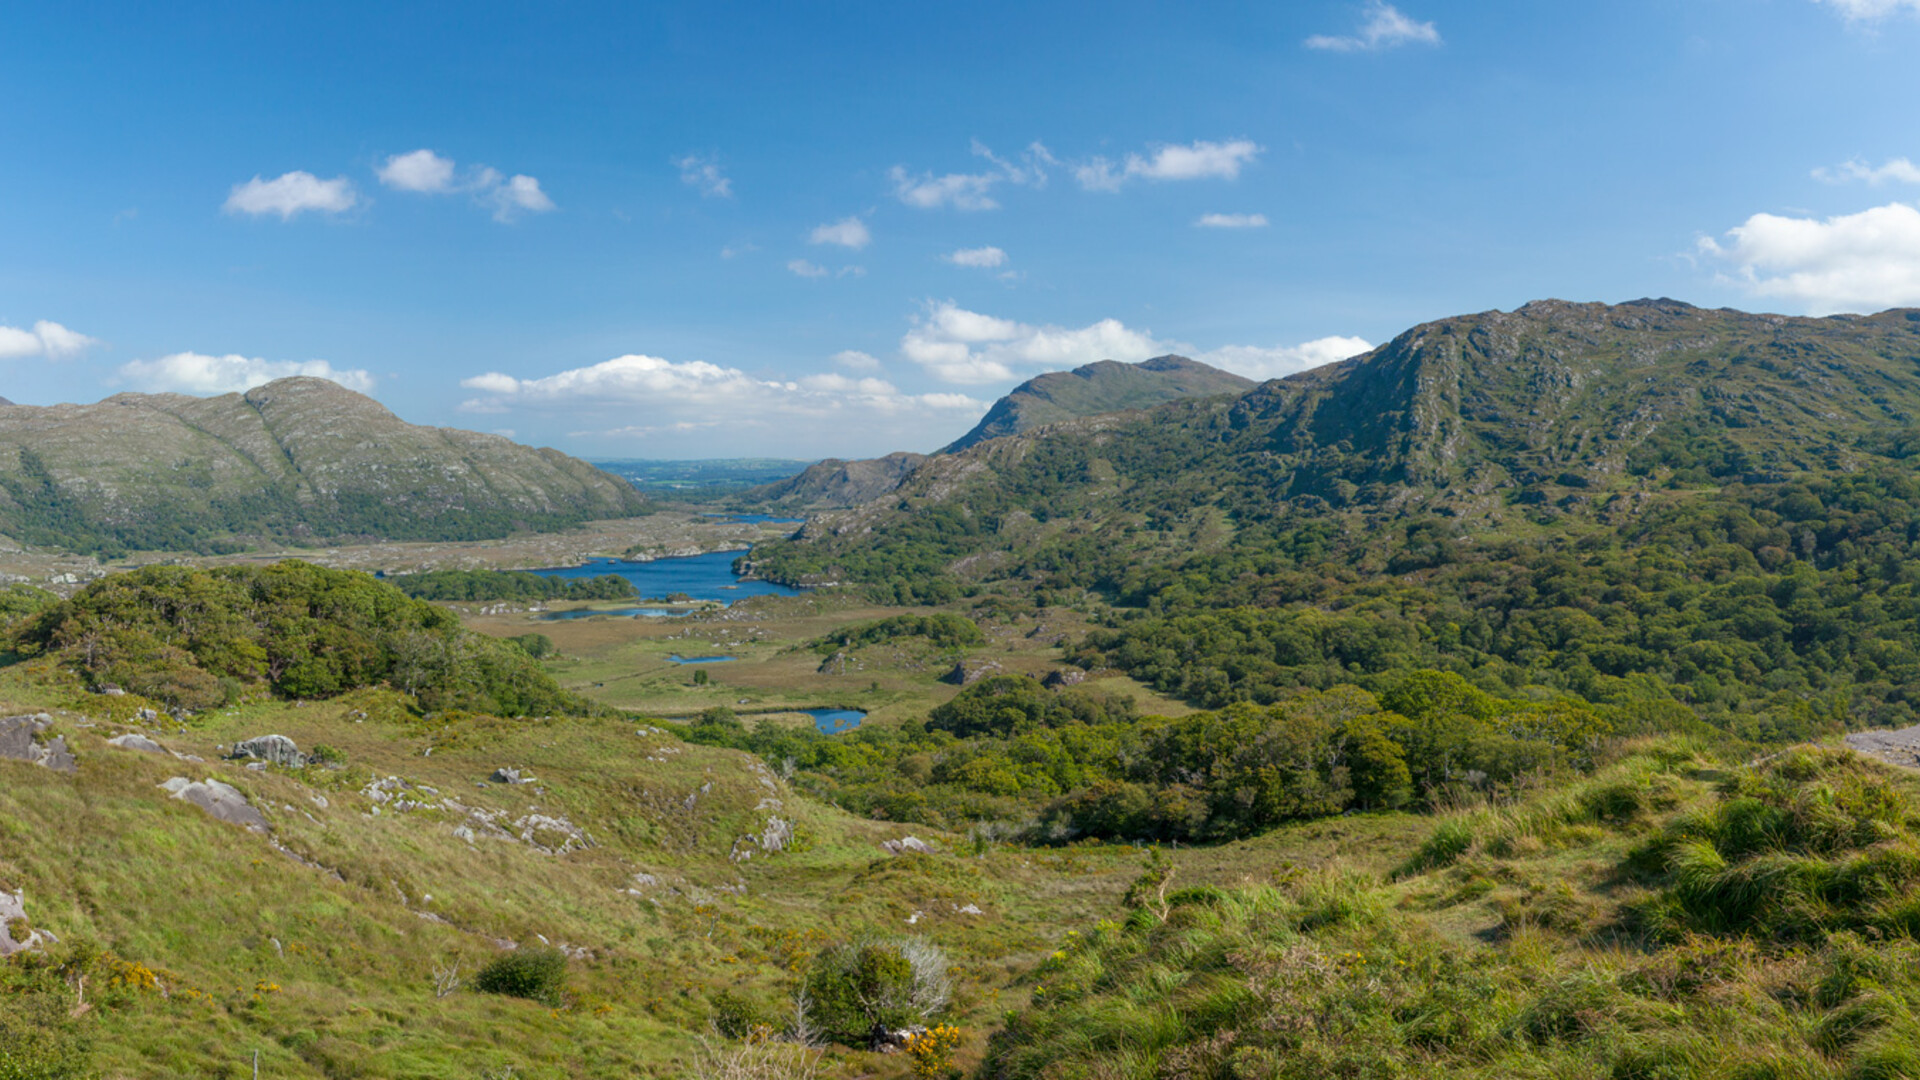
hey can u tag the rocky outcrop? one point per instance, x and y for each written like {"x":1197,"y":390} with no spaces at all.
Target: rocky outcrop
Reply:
{"x":20,"y":740}
{"x":131,"y":741}
{"x":272,"y":749}
{"x":221,"y":801}
{"x":907,"y":845}
{"x":16,"y":934}
{"x":968,"y":672}
{"x":1063,"y":677}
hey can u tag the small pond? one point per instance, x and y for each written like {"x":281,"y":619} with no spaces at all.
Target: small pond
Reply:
{"x":835,"y":721}
{"x":676,"y":658}
{"x":624,"y":613}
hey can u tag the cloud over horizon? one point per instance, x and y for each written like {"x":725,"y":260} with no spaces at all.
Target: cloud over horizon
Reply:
{"x":966,"y":347}
{"x":1860,"y":262}
{"x":199,"y":373}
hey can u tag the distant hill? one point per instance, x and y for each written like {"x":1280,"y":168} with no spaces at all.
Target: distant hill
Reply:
{"x":837,"y":483}
{"x":298,"y":458}
{"x":1102,"y":387}
{"x":4,"y":401}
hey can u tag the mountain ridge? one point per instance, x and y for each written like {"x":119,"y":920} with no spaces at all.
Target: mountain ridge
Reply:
{"x":295,"y":458}
{"x":1103,"y":386}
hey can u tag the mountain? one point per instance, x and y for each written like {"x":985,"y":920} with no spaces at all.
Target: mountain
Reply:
{"x":1105,"y":386}
{"x":1102,"y":387}
{"x":296,"y":458}
{"x":837,"y":483}
{"x":1645,"y":499}
{"x":4,"y":401}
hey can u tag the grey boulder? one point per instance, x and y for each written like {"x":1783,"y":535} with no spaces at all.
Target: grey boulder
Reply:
{"x":272,"y":749}
{"x":222,"y":801}
{"x":13,"y":917}
{"x":131,"y":741}
{"x":18,"y":741}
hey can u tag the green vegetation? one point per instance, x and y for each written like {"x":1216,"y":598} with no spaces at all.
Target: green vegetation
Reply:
{"x":1615,"y":949}
{"x":1105,"y":386}
{"x":941,"y":630}
{"x":537,"y":973}
{"x":196,"y":638}
{"x":471,"y":585}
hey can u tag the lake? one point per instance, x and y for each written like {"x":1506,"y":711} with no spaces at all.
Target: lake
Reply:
{"x":622,"y":612}
{"x":835,"y":721}
{"x":703,"y":577}
{"x":758,"y":519}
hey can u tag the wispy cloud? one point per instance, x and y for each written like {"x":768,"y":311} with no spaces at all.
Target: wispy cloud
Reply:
{"x":807,"y":269}
{"x":1869,"y":10}
{"x":1385,"y":27}
{"x":1898,"y":170}
{"x":291,"y":193}
{"x":428,"y":173}
{"x":198,"y":373}
{"x":703,"y":172}
{"x":848,"y":232}
{"x":48,"y":339}
{"x":1231,"y":221}
{"x":972,"y":190}
{"x":855,"y":360}
{"x":1852,"y":262}
{"x":980,"y":258}
{"x":1199,"y":160}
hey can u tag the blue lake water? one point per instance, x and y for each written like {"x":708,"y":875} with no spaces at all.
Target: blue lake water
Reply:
{"x":676,"y":658}
{"x":703,"y":577}
{"x":835,"y":721}
{"x":622,"y":612}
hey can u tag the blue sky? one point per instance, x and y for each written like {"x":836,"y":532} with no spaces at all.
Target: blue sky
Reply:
{"x":841,"y":229}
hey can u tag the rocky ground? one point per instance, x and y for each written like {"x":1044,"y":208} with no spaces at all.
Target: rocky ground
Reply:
{"x":1900,"y":747}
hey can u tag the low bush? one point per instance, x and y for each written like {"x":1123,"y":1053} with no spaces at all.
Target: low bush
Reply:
{"x":536,"y":974}
{"x":851,"y":988}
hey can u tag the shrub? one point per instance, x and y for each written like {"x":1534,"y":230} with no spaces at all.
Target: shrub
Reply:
{"x":537,"y":974}
{"x":852,"y":987}
{"x":736,"y":1017}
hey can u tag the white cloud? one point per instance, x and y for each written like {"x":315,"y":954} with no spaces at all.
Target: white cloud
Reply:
{"x":855,"y":360}
{"x":1282,"y":360}
{"x":428,"y":173}
{"x":970,"y":191}
{"x":290,"y":194}
{"x":197,"y":373}
{"x":1200,"y":160}
{"x":806,"y":269}
{"x":48,"y":339}
{"x":421,"y":170}
{"x":961,"y":346}
{"x":517,"y":195}
{"x":1867,"y":10}
{"x":1898,"y":169}
{"x":1386,"y":28}
{"x":1232,"y":221}
{"x":704,"y":173}
{"x":647,"y":396}
{"x":848,"y":232}
{"x":980,"y":258}
{"x":1852,"y":262}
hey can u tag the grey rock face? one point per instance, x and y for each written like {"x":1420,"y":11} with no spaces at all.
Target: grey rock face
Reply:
{"x":907,"y":844}
{"x":968,"y":672}
{"x":13,"y":906}
{"x":221,"y":801}
{"x":510,"y":776}
{"x":17,"y":741}
{"x":1063,"y":677}
{"x":273,"y":749}
{"x":141,"y":743}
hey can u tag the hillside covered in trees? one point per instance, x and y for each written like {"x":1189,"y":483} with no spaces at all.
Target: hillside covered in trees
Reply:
{"x":1649,"y":501}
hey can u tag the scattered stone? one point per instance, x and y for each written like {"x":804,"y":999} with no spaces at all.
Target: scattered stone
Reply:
{"x":885,"y":1040}
{"x":19,"y":741}
{"x":970,"y":909}
{"x":13,"y":919}
{"x":146,"y":716}
{"x":222,"y":801}
{"x":1064,"y":677}
{"x":131,"y":741}
{"x":551,"y":835}
{"x":907,"y":844}
{"x":109,"y":690}
{"x":968,"y":672}
{"x":271,"y":749}
{"x":510,"y":776}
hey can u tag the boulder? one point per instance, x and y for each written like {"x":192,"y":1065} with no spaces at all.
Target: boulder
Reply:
{"x":510,"y":776}
{"x":885,"y":1040}
{"x":1063,"y":677}
{"x":905,"y":845}
{"x":272,"y":749}
{"x":13,"y":920}
{"x":131,"y":741}
{"x":222,"y":801}
{"x":19,"y":740}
